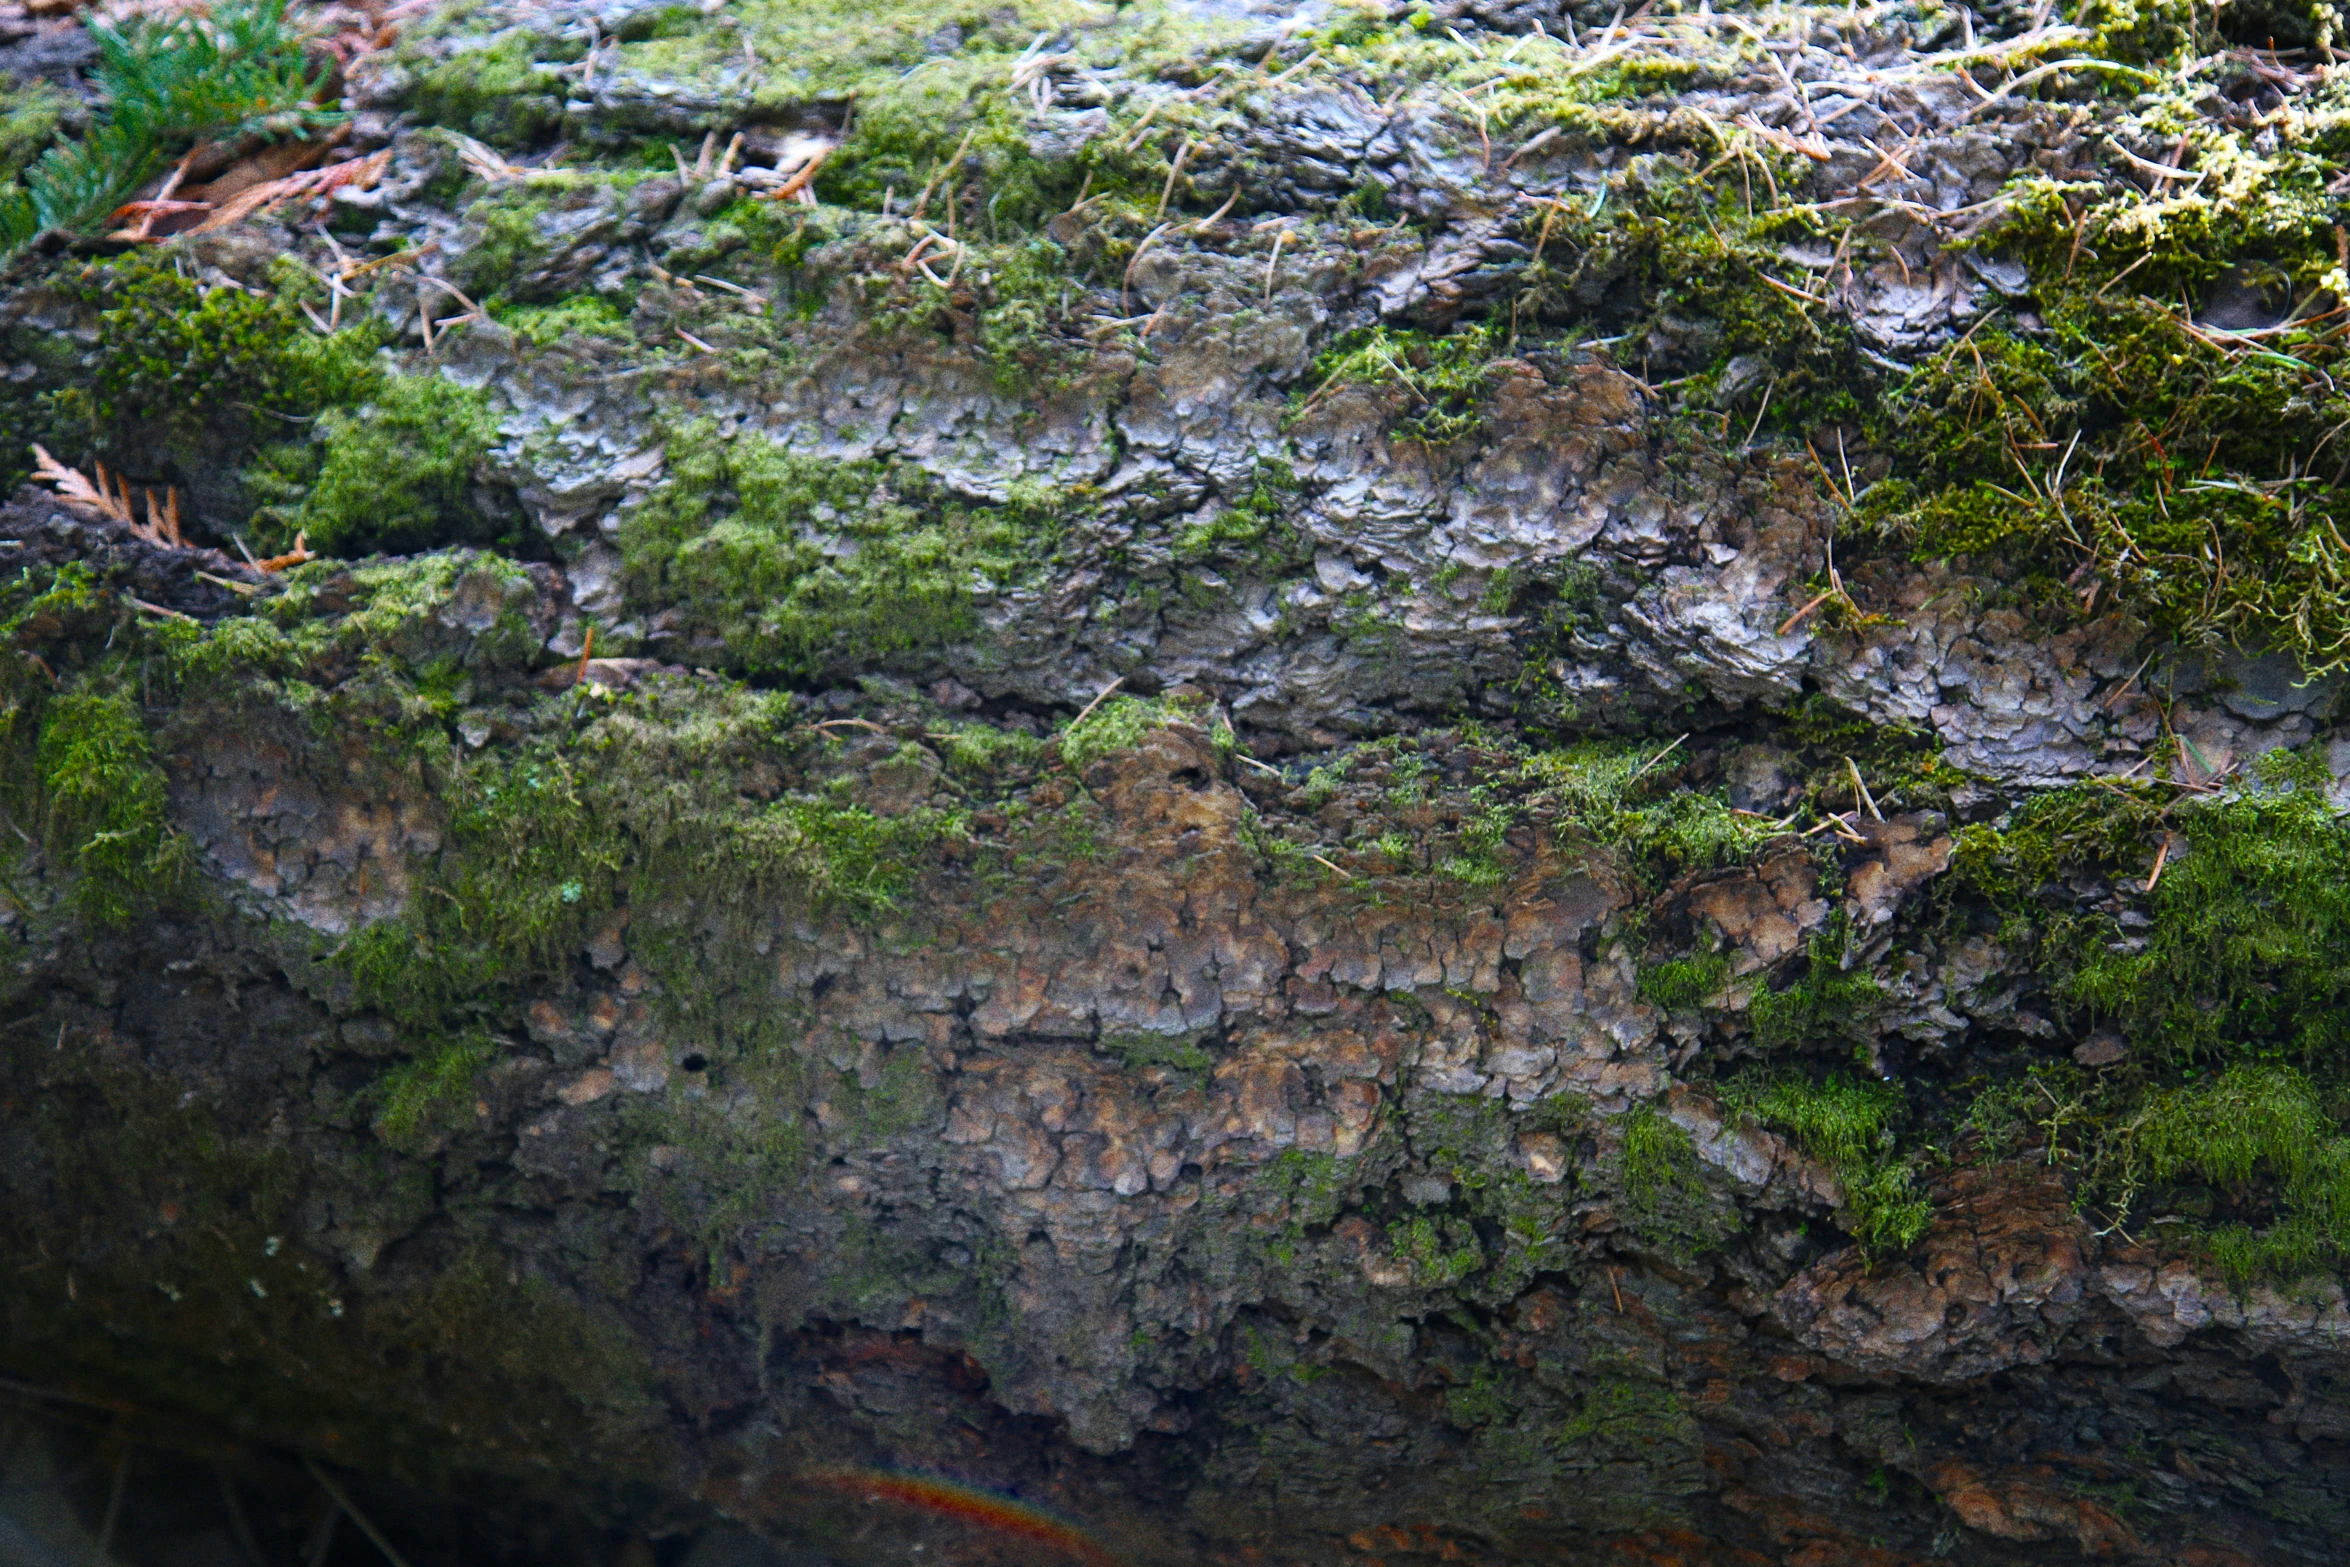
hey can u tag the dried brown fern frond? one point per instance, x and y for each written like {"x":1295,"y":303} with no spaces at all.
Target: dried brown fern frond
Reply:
{"x":100,"y":501}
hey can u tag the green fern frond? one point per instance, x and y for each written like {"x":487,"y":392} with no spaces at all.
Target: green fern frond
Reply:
{"x":168,"y":85}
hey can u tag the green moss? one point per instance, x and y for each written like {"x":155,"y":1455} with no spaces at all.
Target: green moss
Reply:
{"x":1440,"y":1252}
{"x":1441,"y":380}
{"x":427,"y":1094}
{"x":492,"y":89}
{"x":805,"y":567}
{"x":2263,"y":1122}
{"x":2148,"y":443}
{"x":1118,"y":724}
{"x":2250,"y":1166}
{"x":1829,"y":1003}
{"x":528,"y":862}
{"x":1847,"y":1124}
{"x":188,"y":367}
{"x":517,"y":227}
{"x":1691,"y":266}
{"x":829,"y":854}
{"x":2124,"y":450}
{"x":2244,"y":953}
{"x":1481,"y":853}
{"x":1028,"y":293}
{"x":580,"y":315}
{"x":1657,"y":1157}
{"x":1251,"y":528}
{"x":30,"y":113}
{"x":1597,"y":793}
{"x":375,"y":632}
{"x":1305,"y":1191}
{"x":1684,"y":984}
{"x":399,"y":473}
{"x":1138,"y":1051}
{"x":1630,"y":1417}
{"x":980,"y":752}
{"x":903,"y":1095}
{"x":107,"y":813}
{"x":831,"y":48}
{"x":2237,"y":953}
{"x":2135,"y":31}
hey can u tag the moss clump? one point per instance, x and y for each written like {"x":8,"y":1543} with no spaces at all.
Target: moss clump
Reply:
{"x":107,"y":815}
{"x":1848,"y":1124}
{"x":982,"y":753}
{"x":829,"y":854}
{"x":629,"y":800}
{"x":495,"y":91}
{"x":1441,"y":380}
{"x":2253,"y":1162}
{"x":2224,"y":981}
{"x":1684,"y":984}
{"x":2253,"y":1122}
{"x":189,"y":370}
{"x":581,"y":315}
{"x":401,"y":472}
{"x":1522,"y":1226}
{"x":529,"y":860}
{"x":1596,"y":794}
{"x":2250,"y":925}
{"x":1251,"y":528}
{"x":1690,"y":268}
{"x":2133,"y":458}
{"x":1828,"y":1003}
{"x":2161,"y":437}
{"x":424,"y":1095}
{"x":1118,"y":725}
{"x":1141,"y":1051}
{"x":30,"y":115}
{"x":1663,"y":1199}
{"x":2238,"y":951}
{"x":806,"y":568}
{"x":1306,"y":1191}
{"x":1657,"y":1156}
{"x":1628,"y":1417}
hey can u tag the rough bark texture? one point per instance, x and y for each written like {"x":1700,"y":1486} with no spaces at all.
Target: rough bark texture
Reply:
{"x":649,"y":998}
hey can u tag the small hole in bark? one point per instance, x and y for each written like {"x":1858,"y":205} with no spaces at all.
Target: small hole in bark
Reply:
{"x":695,"y":1062}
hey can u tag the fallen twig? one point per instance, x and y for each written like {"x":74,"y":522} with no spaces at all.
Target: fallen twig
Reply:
{"x":1862,"y":790}
{"x":1174,"y":173}
{"x":1790,"y":623}
{"x":351,"y":1512}
{"x":357,"y":174}
{"x":1126,"y":282}
{"x":1652,"y":761}
{"x":1099,"y":699}
{"x":293,"y":557}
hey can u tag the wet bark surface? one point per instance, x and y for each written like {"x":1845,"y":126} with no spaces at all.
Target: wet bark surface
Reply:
{"x":1223,"y":1003}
